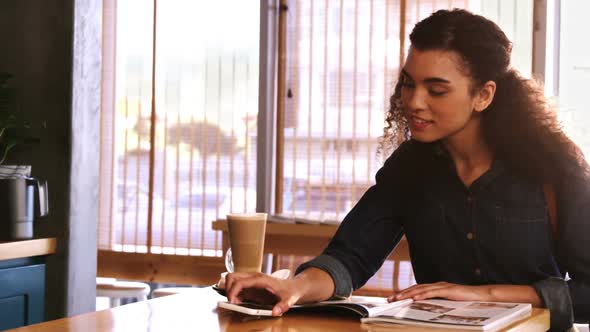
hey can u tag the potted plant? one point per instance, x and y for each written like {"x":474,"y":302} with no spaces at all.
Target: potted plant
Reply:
{"x":22,"y":197}
{"x":16,"y":133}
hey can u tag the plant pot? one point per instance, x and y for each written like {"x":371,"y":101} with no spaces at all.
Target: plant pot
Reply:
{"x":15,"y":171}
{"x":23,"y":198}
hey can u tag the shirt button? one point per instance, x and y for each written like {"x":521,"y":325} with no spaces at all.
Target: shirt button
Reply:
{"x":469,"y":199}
{"x":470,"y":236}
{"x":477,"y":272}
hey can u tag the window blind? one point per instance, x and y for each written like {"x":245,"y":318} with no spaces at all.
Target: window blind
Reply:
{"x":178,"y":128}
{"x":342,"y":62}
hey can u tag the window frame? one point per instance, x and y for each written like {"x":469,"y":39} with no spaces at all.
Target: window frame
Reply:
{"x":545,"y":67}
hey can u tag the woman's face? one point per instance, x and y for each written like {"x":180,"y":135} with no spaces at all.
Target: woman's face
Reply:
{"x":436,"y":96}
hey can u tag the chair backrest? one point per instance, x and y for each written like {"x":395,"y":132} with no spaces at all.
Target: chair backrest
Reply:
{"x":551,"y":201}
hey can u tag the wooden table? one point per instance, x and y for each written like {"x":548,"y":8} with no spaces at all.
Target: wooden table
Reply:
{"x":301,"y":239}
{"x":196,"y":311}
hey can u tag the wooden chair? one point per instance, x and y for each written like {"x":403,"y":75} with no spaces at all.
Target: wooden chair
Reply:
{"x":116,"y":290}
{"x":165,"y":291}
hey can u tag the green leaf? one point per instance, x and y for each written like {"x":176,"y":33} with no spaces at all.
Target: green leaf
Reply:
{"x":6,"y":149}
{"x":16,"y":132}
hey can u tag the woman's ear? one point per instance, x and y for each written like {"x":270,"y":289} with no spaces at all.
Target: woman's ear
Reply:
{"x":484,"y":96}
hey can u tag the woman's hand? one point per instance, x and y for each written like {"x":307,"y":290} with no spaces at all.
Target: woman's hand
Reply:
{"x":263,"y":289}
{"x":488,"y":293}
{"x":443,"y":290}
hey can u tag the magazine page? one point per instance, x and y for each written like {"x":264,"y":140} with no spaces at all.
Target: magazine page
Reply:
{"x":367,"y":306}
{"x":481,"y":314}
{"x":364,"y":306}
{"x":359,"y":305}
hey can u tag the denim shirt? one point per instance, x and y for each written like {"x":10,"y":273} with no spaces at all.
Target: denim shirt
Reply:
{"x":496,"y":231}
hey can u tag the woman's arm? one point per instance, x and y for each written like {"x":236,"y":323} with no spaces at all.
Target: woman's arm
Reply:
{"x":573,"y":250}
{"x":487,"y":293}
{"x":361,"y":244}
{"x":364,"y":239}
{"x":512,"y":293}
{"x":371,"y":230}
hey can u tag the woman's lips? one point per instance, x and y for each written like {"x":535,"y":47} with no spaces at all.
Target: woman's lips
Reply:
{"x":419,"y":123}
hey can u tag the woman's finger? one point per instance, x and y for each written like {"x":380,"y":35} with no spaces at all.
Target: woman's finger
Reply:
{"x":283,"y":306}
{"x":418,"y":286}
{"x":395,"y":296}
{"x":453,"y":292}
{"x":231,"y":278}
{"x":230,"y":282}
{"x":260,"y":282}
{"x":258,"y":295}
{"x":412,"y":288}
{"x":419,"y":290}
{"x":443,"y":292}
{"x":400,"y":293}
{"x":433,"y":292}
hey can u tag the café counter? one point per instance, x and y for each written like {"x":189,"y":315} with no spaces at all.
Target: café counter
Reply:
{"x":22,"y":281}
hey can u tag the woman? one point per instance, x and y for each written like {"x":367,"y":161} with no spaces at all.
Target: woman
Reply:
{"x":465,"y":188}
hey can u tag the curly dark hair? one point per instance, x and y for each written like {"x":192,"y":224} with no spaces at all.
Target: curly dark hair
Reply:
{"x":520,"y":125}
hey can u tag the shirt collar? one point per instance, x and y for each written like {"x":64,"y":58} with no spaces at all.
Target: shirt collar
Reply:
{"x":484,"y":180}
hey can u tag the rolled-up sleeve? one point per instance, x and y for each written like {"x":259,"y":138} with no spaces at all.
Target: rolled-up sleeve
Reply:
{"x":368,"y":233}
{"x":554,"y":293}
{"x":336,"y":270}
{"x":569,"y":300}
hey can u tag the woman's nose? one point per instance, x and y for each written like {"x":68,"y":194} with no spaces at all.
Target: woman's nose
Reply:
{"x":415,"y":100}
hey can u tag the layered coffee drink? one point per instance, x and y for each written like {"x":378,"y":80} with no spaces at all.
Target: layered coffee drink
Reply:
{"x":246,"y":236}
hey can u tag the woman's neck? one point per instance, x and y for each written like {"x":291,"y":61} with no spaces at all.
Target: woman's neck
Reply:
{"x":470,"y":153}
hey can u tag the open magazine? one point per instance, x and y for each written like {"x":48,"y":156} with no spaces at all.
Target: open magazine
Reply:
{"x":457,"y":315}
{"x":364,"y":306}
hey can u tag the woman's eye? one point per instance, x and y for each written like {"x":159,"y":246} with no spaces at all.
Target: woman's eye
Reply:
{"x":437,"y":92}
{"x":408,"y":85}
